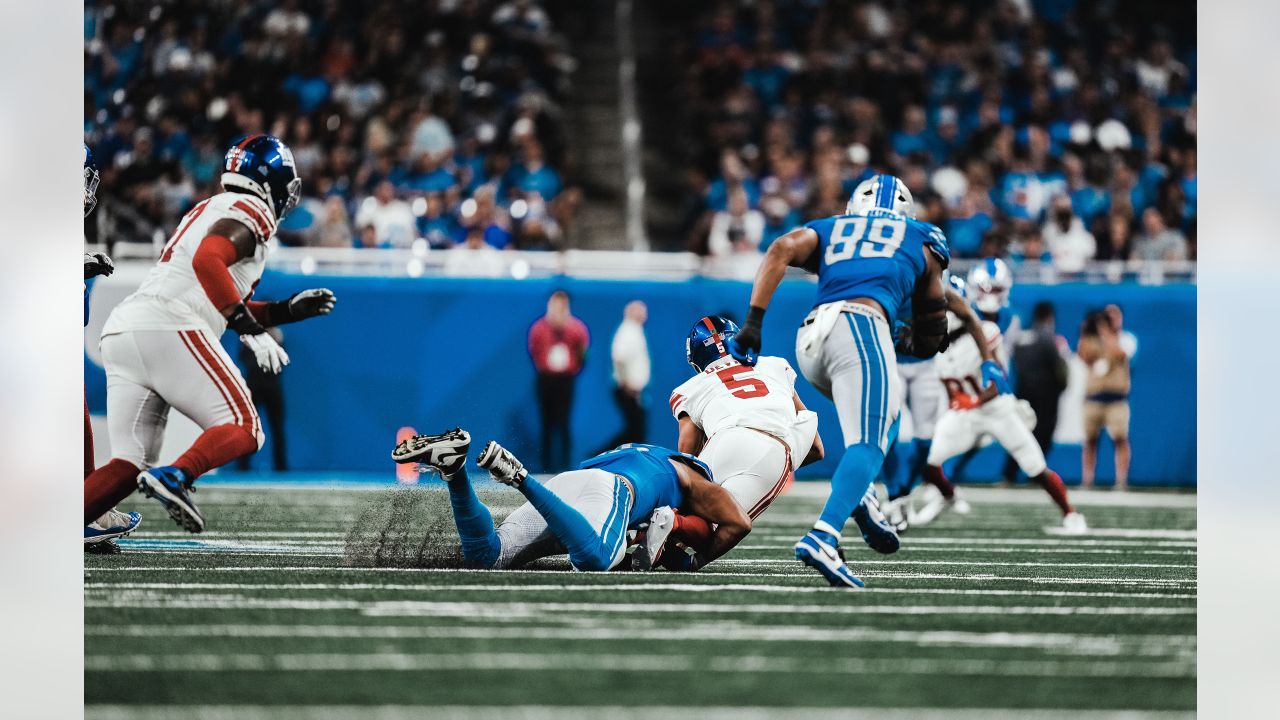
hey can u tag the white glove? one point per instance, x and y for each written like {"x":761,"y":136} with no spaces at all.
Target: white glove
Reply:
{"x":270,"y":356}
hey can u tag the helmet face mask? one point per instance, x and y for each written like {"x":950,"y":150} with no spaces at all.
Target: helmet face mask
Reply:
{"x":989,"y":284}
{"x":881,"y":192}
{"x":91,"y":179}
{"x":708,"y":341}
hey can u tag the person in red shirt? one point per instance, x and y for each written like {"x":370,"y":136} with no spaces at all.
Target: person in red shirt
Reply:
{"x":558,"y":345}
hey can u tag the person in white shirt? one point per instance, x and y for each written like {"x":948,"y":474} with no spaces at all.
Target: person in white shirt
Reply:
{"x":393,"y":221}
{"x":474,"y":258}
{"x":738,"y":227}
{"x":1069,"y":243}
{"x":630,"y":353}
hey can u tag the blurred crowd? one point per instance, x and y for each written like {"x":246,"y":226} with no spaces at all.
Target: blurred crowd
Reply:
{"x":1062,"y":131}
{"x":438,"y":120}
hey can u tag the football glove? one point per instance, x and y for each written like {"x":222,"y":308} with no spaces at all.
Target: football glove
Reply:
{"x":271,"y":358}
{"x":993,"y":374}
{"x":310,"y":303}
{"x":745,"y":345}
{"x":96,"y":264}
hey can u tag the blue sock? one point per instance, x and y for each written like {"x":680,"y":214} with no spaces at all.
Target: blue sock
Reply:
{"x":587,"y":550}
{"x":480,"y":544}
{"x":853,"y":476}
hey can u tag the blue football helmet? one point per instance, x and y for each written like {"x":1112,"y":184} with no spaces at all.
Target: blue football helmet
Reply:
{"x":708,"y":341}
{"x":957,"y":283}
{"x":881,"y":192}
{"x":263,"y":165}
{"x":990,"y":282}
{"x":90,"y":182}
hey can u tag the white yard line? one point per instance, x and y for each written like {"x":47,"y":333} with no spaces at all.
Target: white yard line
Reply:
{"x":579,"y":662}
{"x":111,"y":590}
{"x":857,"y":562}
{"x":593,"y":712}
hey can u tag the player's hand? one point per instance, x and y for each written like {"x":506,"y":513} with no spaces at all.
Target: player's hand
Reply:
{"x":310,"y":303}
{"x":745,"y":345}
{"x":993,"y":374}
{"x":96,"y":264}
{"x":270,"y":356}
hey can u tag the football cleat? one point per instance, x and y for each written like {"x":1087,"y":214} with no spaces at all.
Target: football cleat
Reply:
{"x":113,"y":524}
{"x":172,"y":488}
{"x":106,"y":547}
{"x":937,"y":505}
{"x":898,"y":512}
{"x":878,"y":533}
{"x":649,"y":549}
{"x":821,"y":551}
{"x":446,"y":452}
{"x":1073,"y":524}
{"x":502,"y":465}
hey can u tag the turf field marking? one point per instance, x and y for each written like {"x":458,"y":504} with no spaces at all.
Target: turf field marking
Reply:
{"x":580,"y":662}
{"x":115,"y":588}
{"x":730,"y":561}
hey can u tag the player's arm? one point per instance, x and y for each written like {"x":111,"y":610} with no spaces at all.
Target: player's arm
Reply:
{"x":972,"y":324}
{"x":928,"y":312}
{"x":797,"y":248}
{"x":691,"y":437}
{"x":816,"y":452}
{"x":714,"y":504}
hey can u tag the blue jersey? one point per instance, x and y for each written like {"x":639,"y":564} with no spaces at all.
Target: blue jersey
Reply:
{"x":877,"y":254}
{"x":649,"y":469}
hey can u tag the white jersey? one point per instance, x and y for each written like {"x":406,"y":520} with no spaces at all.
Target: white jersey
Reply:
{"x":728,"y":394}
{"x":171,"y":297}
{"x":960,"y":367}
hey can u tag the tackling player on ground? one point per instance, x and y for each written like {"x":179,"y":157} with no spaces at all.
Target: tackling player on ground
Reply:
{"x":745,"y":422}
{"x":869,"y":261}
{"x":160,"y":346}
{"x":101,"y":534}
{"x":982,"y":403}
{"x":585,"y":512}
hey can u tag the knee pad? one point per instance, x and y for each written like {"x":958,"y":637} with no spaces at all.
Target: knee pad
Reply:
{"x":593,"y":561}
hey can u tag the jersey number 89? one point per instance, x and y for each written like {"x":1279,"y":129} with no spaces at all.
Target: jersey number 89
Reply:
{"x":865,"y":237}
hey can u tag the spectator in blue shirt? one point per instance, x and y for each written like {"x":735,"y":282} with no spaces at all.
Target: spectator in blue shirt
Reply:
{"x":439,"y":227}
{"x":532,"y":174}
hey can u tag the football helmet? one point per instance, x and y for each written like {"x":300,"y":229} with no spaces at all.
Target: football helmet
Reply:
{"x":708,"y":341}
{"x":989,"y":284}
{"x":90,"y":182}
{"x":881,"y":192}
{"x":263,"y":165}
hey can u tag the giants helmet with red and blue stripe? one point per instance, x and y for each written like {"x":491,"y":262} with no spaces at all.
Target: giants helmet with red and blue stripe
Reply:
{"x":708,"y":341}
{"x":263,"y":165}
{"x":90,"y":182}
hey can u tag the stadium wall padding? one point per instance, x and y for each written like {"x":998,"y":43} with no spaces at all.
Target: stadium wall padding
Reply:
{"x":434,"y":353}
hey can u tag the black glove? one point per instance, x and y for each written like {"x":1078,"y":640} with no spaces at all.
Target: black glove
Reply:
{"x":745,"y":346}
{"x":310,"y":303}
{"x":96,"y":264}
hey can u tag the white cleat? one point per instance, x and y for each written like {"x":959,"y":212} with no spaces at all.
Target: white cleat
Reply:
{"x":502,"y":465}
{"x":938,"y":505}
{"x":446,"y":452}
{"x":661,"y":523}
{"x":1073,"y":524}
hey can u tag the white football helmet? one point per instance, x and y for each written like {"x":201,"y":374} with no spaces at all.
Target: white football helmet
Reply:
{"x":881,"y":192}
{"x":989,"y":284}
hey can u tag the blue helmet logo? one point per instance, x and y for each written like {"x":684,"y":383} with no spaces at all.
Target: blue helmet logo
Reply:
{"x":263,"y":165}
{"x":708,"y":341}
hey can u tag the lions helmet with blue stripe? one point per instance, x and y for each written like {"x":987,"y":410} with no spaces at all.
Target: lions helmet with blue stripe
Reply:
{"x":90,"y":182}
{"x":708,"y":341}
{"x":263,"y":165}
{"x":881,"y":192}
{"x":990,"y":282}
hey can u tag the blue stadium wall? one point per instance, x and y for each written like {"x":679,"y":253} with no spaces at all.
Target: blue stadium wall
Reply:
{"x":432,"y":353}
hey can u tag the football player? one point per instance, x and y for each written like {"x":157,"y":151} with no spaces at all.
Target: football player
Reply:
{"x":869,"y":261}
{"x":981,"y":403}
{"x":160,"y":345}
{"x":586,"y":512}
{"x":747,"y":423}
{"x":99,"y":535}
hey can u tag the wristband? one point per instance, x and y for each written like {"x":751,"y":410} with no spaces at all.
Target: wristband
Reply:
{"x":241,"y":321}
{"x":755,"y":317}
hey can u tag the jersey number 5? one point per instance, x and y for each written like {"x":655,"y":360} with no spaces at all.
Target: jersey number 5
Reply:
{"x":865,"y":237}
{"x":742,"y":387}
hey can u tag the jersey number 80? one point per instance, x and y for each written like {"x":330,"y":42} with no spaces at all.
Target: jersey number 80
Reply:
{"x":865,"y":237}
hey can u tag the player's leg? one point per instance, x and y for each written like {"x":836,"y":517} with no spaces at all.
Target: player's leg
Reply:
{"x":587,"y":510}
{"x":953,"y":434}
{"x":193,"y":373}
{"x":88,"y":441}
{"x":136,"y":419}
{"x":927,"y":398}
{"x":1093,"y":416}
{"x":1117,"y":422}
{"x":752,"y":466}
{"x":999,"y":418}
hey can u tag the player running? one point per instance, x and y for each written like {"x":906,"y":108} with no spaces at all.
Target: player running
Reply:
{"x":160,"y":345}
{"x":982,"y":403}
{"x":101,"y":534}
{"x":585,"y":512}
{"x":745,"y":422}
{"x":869,"y":261}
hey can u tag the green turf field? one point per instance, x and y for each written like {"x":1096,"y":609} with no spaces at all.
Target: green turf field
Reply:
{"x":279,"y":610}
